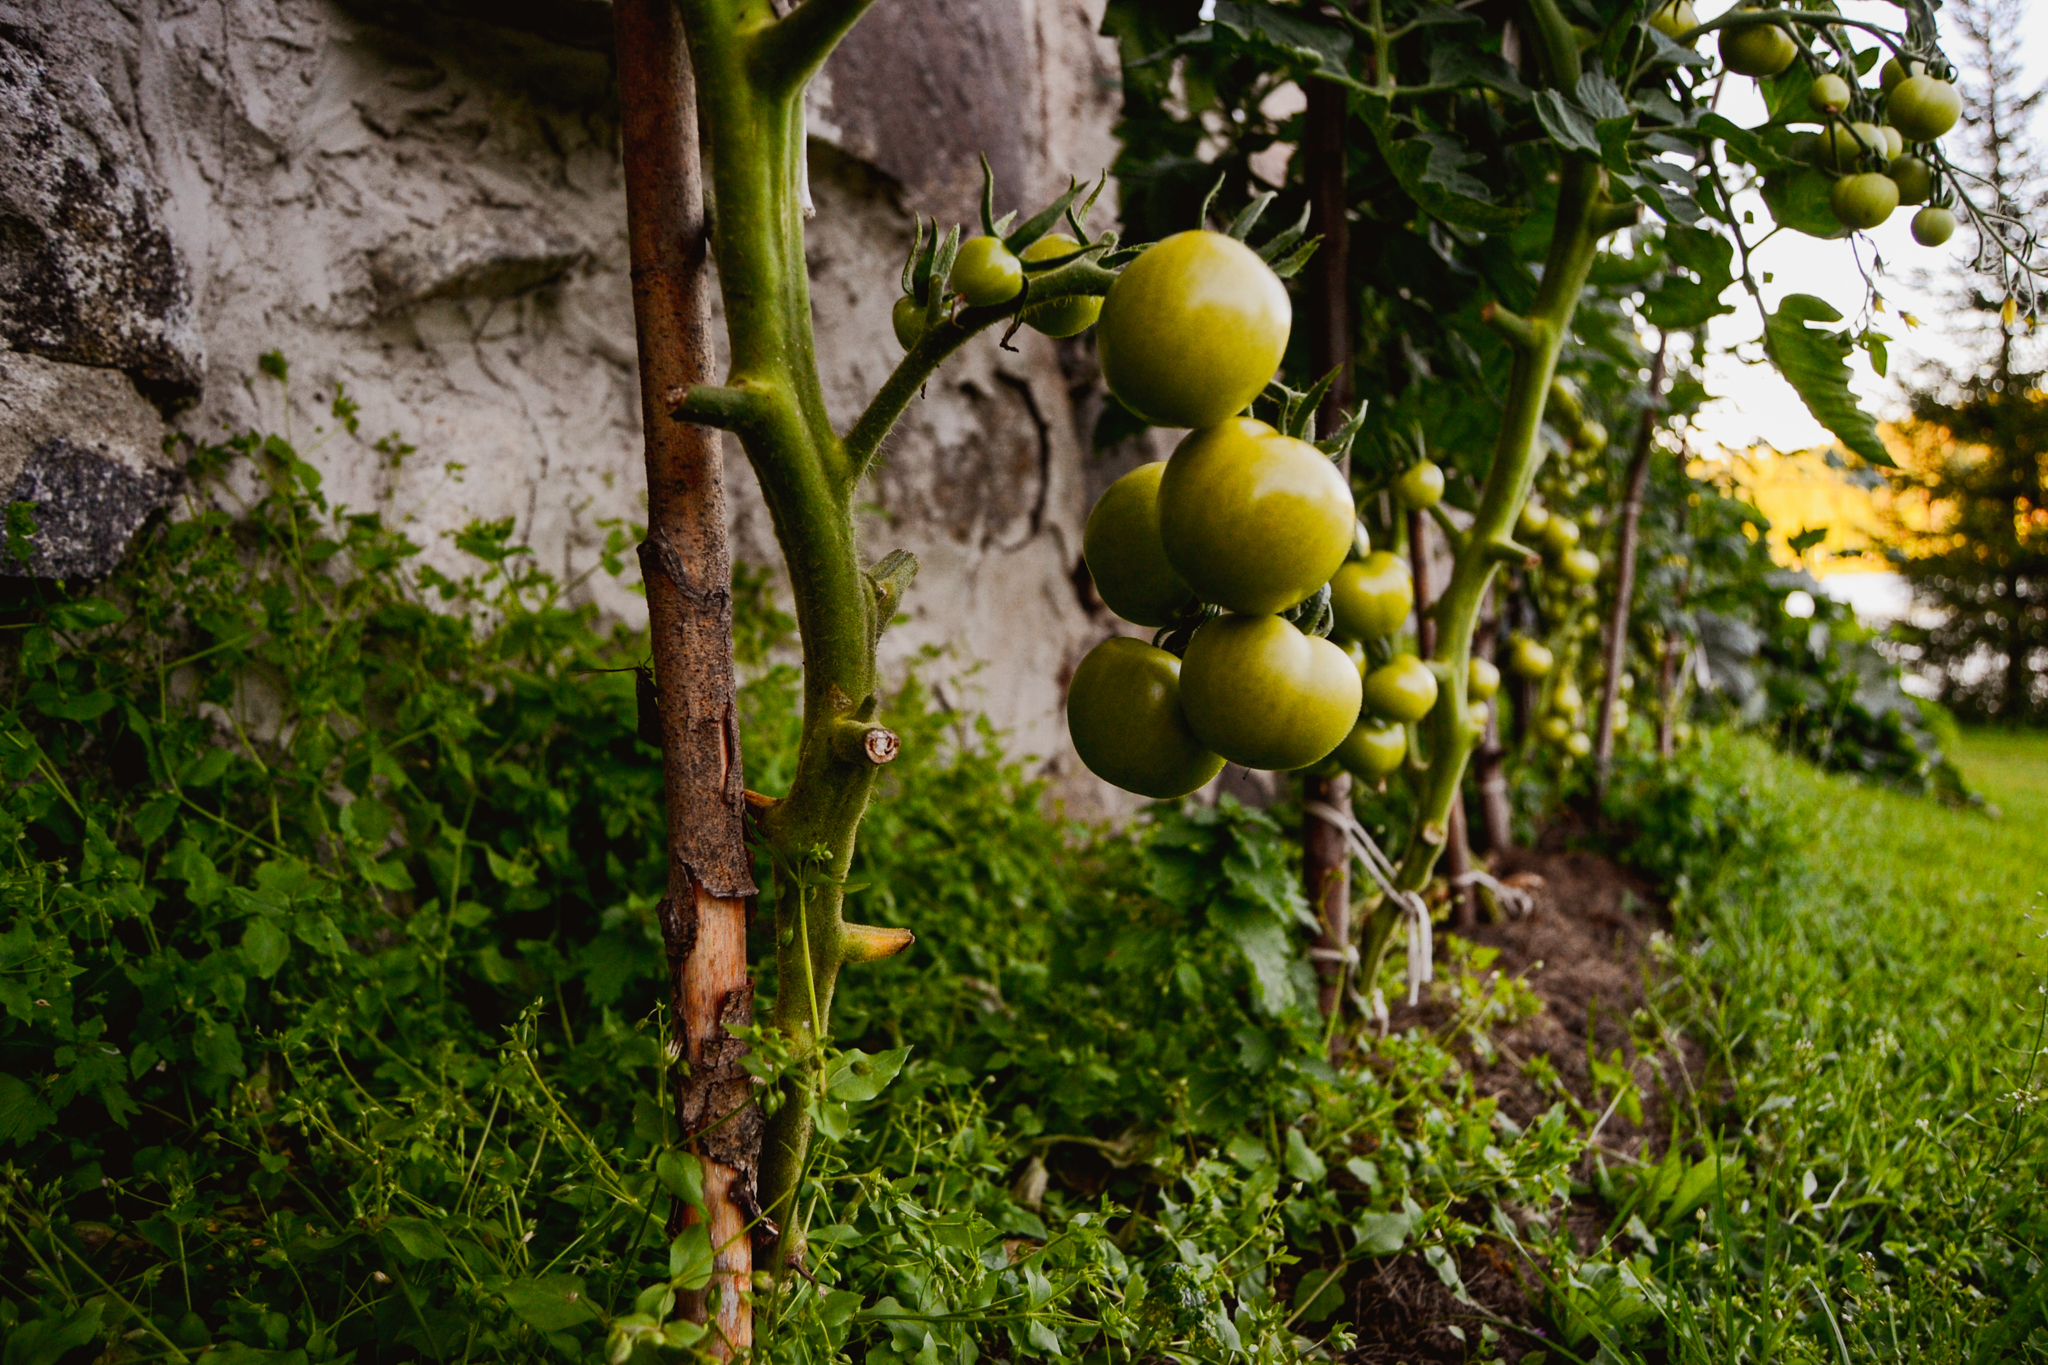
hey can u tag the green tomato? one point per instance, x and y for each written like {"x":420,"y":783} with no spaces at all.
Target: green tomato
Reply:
{"x":1371,"y":597}
{"x":1760,"y":50}
{"x":1892,"y":73}
{"x":1566,"y":701}
{"x":1124,"y":713}
{"x":1261,"y":693}
{"x":1403,"y":689}
{"x":1914,"y":178}
{"x":1923,"y":108}
{"x":1578,"y":744}
{"x":1675,"y":18}
{"x":1829,"y":94}
{"x":1561,"y":535}
{"x":908,"y":319}
{"x":1863,"y":200}
{"x":1894,"y":143}
{"x":986,"y":272}
{"x":1253,"y":520}
{"x":1482,"y":679}
{"x":1065,"y":317}
{"x":1592,"y":438}
{"x":1845,"y":146}
{"x":1125,"y":557}
{"x":1554,"y":729}
{"x":1933,"y":225}
{"x":1580,"y":566}
{"x":1193,"y":330}
{"x":1529,"y":659}
{"x":1421,"y":486}
{"x":1534,"y":519}
{"x":1373,"y":749}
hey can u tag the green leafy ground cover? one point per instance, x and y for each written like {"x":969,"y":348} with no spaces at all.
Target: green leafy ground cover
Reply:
{"x":328,"y":1023}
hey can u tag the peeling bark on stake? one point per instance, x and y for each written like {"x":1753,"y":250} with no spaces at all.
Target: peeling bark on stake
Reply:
{"x":1325,"y":862}
{"x":688,"y":573}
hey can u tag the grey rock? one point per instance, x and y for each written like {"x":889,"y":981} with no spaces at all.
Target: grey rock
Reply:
{"x":88,"y":271}
{"x":87,"y":506}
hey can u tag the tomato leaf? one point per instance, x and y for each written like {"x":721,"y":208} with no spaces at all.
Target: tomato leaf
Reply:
{"x":1814,"y":362}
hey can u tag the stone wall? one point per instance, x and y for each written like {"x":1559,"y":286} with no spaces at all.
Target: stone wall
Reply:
{"x":426,"y":209}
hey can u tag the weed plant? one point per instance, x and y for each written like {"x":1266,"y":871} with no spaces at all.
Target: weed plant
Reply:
{"x":330,"y":983}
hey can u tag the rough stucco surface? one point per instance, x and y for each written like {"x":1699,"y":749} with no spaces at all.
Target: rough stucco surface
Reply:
{"x":428,"y":211}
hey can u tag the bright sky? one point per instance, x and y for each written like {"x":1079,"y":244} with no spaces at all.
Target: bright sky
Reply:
{"x":1753,"y":405}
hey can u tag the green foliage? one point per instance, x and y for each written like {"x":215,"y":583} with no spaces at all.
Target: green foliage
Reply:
{"x":1867,"y":981}
{"x":331,"y":1025}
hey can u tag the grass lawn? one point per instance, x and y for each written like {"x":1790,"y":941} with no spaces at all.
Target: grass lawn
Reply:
{"x":1867,"y":970}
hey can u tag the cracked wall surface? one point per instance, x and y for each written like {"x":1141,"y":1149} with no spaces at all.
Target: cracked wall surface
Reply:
{"x":427,"y":210}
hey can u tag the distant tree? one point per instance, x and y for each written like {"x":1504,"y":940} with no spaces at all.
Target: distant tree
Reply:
{"x":1971,"y":532}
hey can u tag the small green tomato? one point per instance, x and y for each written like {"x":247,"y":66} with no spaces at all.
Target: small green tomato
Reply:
{"x":1923,"y":108}
{"x":1193,"y":330}
{"x":986,"y":272}
{"x":1124,"y":554}
{"x":1578,"y":744}
{"x":1371,"y":597}
{"x":1933,"y":225}
{"x":1403,"y":689}
{"x":1580,"y":566}
{"x":1829,"y":93}
{"x":1914,"y":178}
{"x":1373,"y":749}
{"x":1124,"y":714}
{"x":1261,"y":693}
{"x":908,"y":319}
{"x":1421,"y":486}
{"x":1482,"y":679}
{"x":1066,"y":317}
{"x":1528,"y":658}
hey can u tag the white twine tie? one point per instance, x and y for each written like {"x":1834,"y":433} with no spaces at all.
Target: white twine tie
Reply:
{"x":1421,"y":945}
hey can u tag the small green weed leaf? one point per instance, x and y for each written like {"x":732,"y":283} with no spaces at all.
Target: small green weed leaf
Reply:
{"x":512,"y":872}
{"x":682,"y":1175}
{"x":689,"y":1258}
{"x":86,"y":613}
{"x":22,"y":1115}
{"x":206,"y":770}
{"x":45,"y":1341}
{"x":265,"y":946}
{"x":857,"y":1076}
{"x":1304,"y":1165}
{"x":51,"y":700}
{"x":155,"y":817}
{"x":1382,"y":1234}
{"x":550,"y":1303}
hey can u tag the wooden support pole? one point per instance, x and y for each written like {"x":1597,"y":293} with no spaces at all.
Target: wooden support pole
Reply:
{"x":1625,"y":574}
{"x":688,"y":572}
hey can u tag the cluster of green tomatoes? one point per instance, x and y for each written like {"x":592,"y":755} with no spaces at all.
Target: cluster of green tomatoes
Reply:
{"x":1241,"y":551}
{"x":1560,"y":708}
{"x":1877,"y":165}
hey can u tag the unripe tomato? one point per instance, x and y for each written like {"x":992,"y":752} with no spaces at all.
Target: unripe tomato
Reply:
{"x":1863,"y":200}
{"x":908,"y":319}
{"x":1844,"y":146}
{"x":1933,"y":225}
{"x":1193,"y":330}
{"x":1675,"y":18}
{"x":1371,"y":597}
{"x":1759,"y":50}
{"x":1923,"y":108}
{"x":1580,"y":566}
{"x":1261,"y":693}
{"x":1476,"y":712}
{"x":1482,"y":679}
{"x":1560,"y":535}
{"x":1892,"y":73}
{"x":1566,"y":701}
{"x":1592,"y":438}
{"x":1529,"y":659}
{"x":1682,"y":732}
{"x":1124,"y":713}
{"x":1829,"y":94}
{"x":1065,"y":317}
{"x":1421,"y":486}
{"x":1253,"y":520}
{"x":1403,"y":689}
{"x":1121,"y":545}
{"x":1535,"y":517}
{"x":1578,"y":744}
{"x":1894,"y":143}
{"x":1914,"y":178}
{"x":1554,"y":729}
{"x":986,"y":272}
{"x":1373,"y":749}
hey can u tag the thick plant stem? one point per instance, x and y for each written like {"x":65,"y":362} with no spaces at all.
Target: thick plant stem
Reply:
{"x":1325,"y":859}
{"x":1584,"y":215}
{"x":688,"y":573}
{"x":1625,"y":576}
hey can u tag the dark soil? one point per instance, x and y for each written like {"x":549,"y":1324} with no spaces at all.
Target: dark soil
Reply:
{"x":1584,"y":950}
